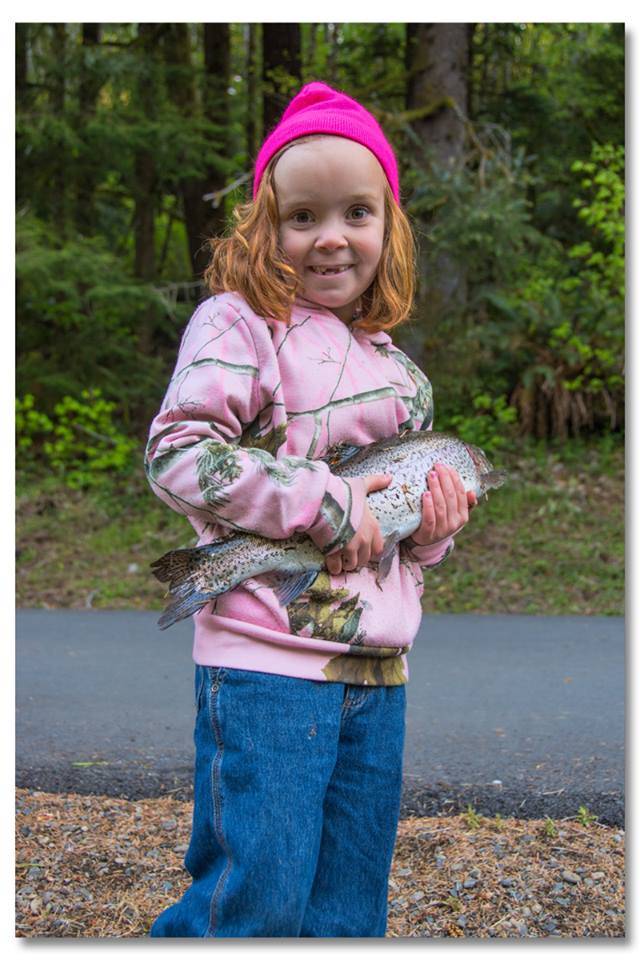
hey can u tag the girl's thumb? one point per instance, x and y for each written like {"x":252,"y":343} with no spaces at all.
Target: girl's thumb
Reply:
{"x":378,"y":481}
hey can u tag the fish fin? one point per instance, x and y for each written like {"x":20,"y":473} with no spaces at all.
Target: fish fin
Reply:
{"x":386,"y":557}
{"x":188,"y":602}
{"x":492,"y":479}
{"x":291,"y":585}
{"x":177,"y":568}
{"x":339,"y":453}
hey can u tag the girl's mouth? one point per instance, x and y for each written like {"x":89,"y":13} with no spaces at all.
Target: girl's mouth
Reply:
{"x":330,"y":271}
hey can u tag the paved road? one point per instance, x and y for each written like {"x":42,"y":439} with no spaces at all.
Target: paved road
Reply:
{"x":105,"y":704}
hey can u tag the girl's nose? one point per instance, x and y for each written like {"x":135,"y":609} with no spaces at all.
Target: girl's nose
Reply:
{"x":330,"y":238}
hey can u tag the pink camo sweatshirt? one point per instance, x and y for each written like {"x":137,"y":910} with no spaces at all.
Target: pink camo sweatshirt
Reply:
{"x":251,"y":406}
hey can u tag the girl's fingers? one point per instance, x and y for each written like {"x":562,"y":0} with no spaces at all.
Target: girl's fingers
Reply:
{"x":461,"y":494}
{"x":428,"y":526}
{"x":350,"y":558}
{"x":377,"y":546}
{"x":364,"y":555}
{"x":439,"y":503}
{"x":445,"y":510}
{"x":462,"y":504}
{"x":455,"y":503}
{"x":450,"y":496}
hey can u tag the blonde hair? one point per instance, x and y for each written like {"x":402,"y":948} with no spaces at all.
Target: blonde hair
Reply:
{"x":251,"y":261}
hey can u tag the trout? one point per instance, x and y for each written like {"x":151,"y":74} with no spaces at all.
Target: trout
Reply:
{"x":199,"y":574}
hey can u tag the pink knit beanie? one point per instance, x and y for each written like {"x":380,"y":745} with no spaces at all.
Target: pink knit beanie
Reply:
{"x":320,"y":109}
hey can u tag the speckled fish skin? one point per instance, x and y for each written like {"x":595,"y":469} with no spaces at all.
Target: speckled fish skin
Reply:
{"x":200,"y":574}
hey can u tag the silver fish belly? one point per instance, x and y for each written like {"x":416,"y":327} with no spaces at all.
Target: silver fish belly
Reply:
{"x":200,"y":574}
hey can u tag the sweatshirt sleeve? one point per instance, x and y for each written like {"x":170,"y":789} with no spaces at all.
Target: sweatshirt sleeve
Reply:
{"x":208,"y":452}
{"x":431,"y":555}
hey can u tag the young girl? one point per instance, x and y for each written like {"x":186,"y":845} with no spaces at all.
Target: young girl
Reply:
{"x":300,"y":709}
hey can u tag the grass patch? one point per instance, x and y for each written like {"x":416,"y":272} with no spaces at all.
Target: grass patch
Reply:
{"x":551,"y":541}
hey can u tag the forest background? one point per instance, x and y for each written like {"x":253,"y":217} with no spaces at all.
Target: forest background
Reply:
{"x":135,"y":141}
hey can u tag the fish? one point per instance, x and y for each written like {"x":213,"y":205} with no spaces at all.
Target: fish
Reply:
{"x":198,"y":575}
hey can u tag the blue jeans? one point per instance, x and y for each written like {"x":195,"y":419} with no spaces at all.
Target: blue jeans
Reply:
{"x":296,"y":804}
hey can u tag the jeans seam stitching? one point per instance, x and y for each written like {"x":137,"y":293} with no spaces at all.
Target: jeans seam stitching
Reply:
{"x":217,"y":803}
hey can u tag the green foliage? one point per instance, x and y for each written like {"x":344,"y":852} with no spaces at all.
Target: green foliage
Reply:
{"x":604,"y":213}
{"x":30,"y":424}
{"x":79,"y":319}
{"x":488,"y":426}
{"x":475,"y":214}
{"x":531,"y":224}
{"x":567,"y":341}
{"x":544,"y":325}
{"x":584,"y":817}
{"x":471,"y":817}
{"x":532,"y":241}
{"x":79,"y":443}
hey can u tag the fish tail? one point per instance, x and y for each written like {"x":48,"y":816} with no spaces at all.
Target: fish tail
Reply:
{"x":180,"y":569}
{"x":185,"y":606}
{"x":172,"y":567}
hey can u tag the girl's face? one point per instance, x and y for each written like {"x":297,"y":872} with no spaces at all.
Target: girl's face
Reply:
{"x":330,"y":195}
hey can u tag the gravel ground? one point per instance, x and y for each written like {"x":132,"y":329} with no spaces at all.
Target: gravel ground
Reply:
{"x":95,"y":866}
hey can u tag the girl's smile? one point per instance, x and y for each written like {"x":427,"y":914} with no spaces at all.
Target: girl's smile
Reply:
{"x":330,"y":194}
{"x":331,"y":271}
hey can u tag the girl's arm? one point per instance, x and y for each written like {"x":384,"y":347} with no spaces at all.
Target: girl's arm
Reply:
{"x":210,"y":452}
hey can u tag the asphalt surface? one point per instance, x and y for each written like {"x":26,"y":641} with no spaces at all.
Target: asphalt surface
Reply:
{"x":518,"y":715}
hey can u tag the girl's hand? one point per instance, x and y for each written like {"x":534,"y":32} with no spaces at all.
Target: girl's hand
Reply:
{"x":367,"y":544}
{"x":445,"y":506}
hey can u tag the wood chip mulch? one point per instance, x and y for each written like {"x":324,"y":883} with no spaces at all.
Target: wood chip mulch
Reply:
{"x":93,"y":866}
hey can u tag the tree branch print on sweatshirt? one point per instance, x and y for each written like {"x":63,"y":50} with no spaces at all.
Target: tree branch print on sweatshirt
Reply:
{"x":318,"y":413}
{"x":420,"y":403}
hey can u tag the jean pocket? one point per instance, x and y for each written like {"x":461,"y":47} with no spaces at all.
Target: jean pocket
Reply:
{"x":206,"y":679}
{"x":199,"y":681}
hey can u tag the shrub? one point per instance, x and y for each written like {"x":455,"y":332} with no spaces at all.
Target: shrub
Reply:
{"x":79,"y":442}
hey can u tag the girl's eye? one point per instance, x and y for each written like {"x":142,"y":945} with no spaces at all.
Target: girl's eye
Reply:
{"x":362,"y":210}
{"x":300,"y":213}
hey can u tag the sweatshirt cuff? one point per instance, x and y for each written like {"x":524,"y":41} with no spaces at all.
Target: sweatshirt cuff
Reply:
{"x":340,"y":513}
{"x":431,"y":555}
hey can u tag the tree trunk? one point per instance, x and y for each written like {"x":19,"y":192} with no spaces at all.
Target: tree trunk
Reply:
{"x":145,"y":181}
{"x":23,"y":104}
{"x":281,"y":61}
{"x":437,"y":61}
{"x":311,"y":51}
{"x":88,"y":90}
{"x":57,"y":93}
{"x":253,"y":124}
{"x":438,"y":55}
{"x":217,"y":61}
{"x":201,"y":220}
{"x":22,"y":43}
{"x":331,"y":34}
